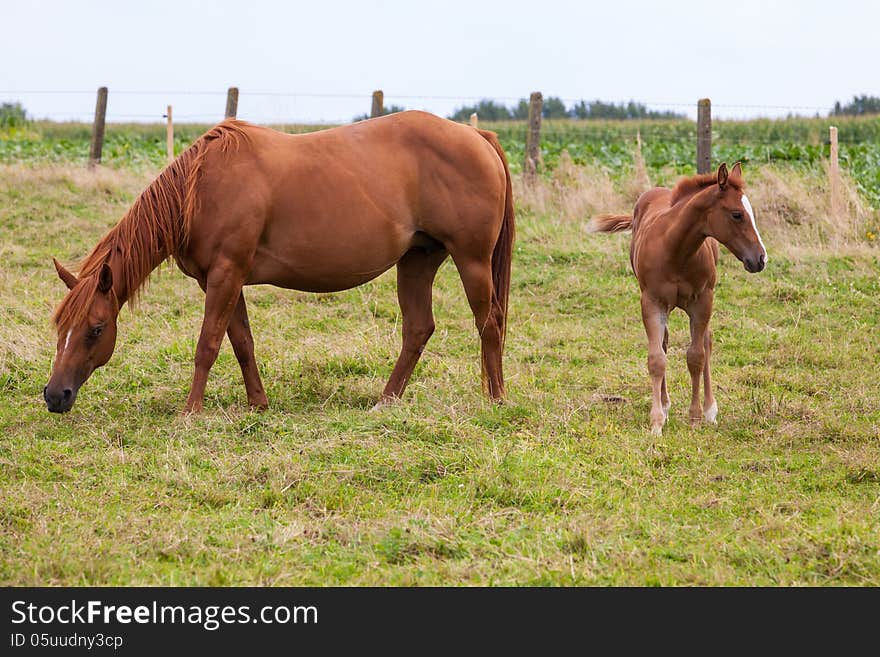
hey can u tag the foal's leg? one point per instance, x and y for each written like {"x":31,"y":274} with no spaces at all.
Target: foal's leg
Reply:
{"x":239,"y":332}
{"x":710,"y":406}
{"x":699,"y":312}
{"x":654,"y":318}
{"x":664,"y":393}
{"x":476,"y":275}
{"x":415,"y":278}
{"x":222,"y":291}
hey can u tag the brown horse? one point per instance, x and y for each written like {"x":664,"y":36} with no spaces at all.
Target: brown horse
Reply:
{"x":317,"y":212}
{"x":674,"y":254}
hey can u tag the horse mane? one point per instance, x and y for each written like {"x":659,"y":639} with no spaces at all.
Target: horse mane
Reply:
{"x":155,"y":227}
{"x":690,"y":185}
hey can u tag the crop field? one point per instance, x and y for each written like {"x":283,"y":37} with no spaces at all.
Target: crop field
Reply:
{"x":560,"y":485}
{"x":667,"y":146}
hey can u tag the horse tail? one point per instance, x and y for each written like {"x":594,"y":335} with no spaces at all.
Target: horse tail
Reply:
{"x":610,"y":223}
{"x":503,"y":251}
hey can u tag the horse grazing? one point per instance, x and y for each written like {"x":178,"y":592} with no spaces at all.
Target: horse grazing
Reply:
{"x":317,"y":212}
{"x":674,"y":253}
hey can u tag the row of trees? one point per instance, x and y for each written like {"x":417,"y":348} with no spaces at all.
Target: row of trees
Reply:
{"x":11,"y":115}
{"x":554,"y":108}
{"x":857,"y":106}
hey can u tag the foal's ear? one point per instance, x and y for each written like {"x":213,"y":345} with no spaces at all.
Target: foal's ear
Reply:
{"x":736,"y":172}
{"x":68,"y":278}
{"x":105,"y":278}
{"x":722,"y":176}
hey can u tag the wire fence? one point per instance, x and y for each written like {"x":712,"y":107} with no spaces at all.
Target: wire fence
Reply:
{"x":289,"y":107}
{"x":138,"y":136}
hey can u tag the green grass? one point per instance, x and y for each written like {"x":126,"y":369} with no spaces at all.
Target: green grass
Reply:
{"x":561,"y":485}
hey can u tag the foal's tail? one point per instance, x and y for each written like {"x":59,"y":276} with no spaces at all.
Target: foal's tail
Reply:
{"x":503,"y":252}
{"x":610,"y":223}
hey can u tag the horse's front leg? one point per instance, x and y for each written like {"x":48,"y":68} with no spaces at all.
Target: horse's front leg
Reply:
{"x":222,"y":291}
{"x":699,"y":312}
{"x":654,"y":317}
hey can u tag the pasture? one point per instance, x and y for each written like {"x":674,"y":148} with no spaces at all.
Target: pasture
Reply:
{"x":561,"y":485}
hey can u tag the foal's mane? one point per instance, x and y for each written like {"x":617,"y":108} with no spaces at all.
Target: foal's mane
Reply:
{"x":688,"y":186}
{"x":155,"y":227}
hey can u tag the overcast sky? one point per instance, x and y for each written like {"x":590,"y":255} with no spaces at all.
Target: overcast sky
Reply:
{"x":323,"y":59}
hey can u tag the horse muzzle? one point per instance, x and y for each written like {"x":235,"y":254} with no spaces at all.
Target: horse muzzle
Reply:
{"x":59,"y":400}
{"x":754,"y":265}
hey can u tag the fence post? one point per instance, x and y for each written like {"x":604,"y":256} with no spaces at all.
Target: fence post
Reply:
{"x":834,"y":174}
{"x":377,"y":108}
{"x":704,"y":136}
{"x":533,"y":136}
{"x":170,"y":137}
{"x":98,"y":128}
{"x":474,"y":120}
{"x":231,"y":103}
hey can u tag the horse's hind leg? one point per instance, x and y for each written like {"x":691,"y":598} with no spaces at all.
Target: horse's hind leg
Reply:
{"x":239,"y":332}
{"x":710,"y":406}
{"x":664,"y":392}
{"x":476,"y":275}
{"x":415,"y":278}
{"x":654,"y":318}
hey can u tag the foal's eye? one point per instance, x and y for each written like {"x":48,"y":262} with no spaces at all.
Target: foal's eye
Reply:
{"x":96,"y":331}
{"x":737,"y":216}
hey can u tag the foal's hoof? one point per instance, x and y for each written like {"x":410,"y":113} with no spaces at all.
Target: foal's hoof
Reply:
{"x":657,"y":430}
{"x":384,"y":403}
{"x":710,"y":415}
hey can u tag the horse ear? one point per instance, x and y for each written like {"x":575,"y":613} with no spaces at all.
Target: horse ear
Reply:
{"x":736,"y":171}
{"x":722,"y":176}
{"x":105,"y":278}
{"x":69,"y":279}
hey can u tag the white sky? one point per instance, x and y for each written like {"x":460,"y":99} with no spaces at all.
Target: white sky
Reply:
{"x":800,"y":56}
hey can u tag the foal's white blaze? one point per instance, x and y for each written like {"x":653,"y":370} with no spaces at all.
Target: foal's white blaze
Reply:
{"x":66,"y":341}
{"x":748,"y":207}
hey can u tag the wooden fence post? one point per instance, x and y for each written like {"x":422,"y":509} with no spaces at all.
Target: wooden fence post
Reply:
{"x":170,"y":137}
{"x":474,"y":120}
{"x":704,"y":136}
{"x":533,"y":136}
{"x":98,"y":128}
{"x":231,"y":103}
{"x":834,"y":175}
{"x":377,"y":109}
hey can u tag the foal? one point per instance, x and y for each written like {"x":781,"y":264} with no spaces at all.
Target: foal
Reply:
{"x":674,"y":254}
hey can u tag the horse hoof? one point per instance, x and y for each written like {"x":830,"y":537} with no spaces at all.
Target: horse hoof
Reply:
{"x":711,"y":414}
{"x":258,"y":402}
{"x":657,"y":430}
{"x":382,"y":404}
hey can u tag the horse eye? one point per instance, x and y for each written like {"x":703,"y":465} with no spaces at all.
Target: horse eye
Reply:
{"x":96,"y":331}
{"x":737,"y":216}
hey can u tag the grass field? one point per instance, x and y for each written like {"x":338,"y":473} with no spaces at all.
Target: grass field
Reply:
{"x":561,"y":485}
